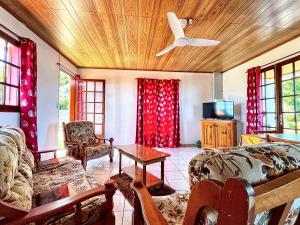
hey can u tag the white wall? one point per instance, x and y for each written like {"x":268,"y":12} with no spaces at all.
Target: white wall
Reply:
{"x":121,"y":91}
{"x":47,"y":84}
{"x":235,"y":80}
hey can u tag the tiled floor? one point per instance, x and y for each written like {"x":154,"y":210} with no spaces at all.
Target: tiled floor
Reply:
{"x":176,"y":176}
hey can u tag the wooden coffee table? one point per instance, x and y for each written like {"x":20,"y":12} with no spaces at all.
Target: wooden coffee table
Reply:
{"x":145,"y":156}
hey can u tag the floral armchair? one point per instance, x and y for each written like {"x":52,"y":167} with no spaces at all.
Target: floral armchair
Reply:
{"x":82,"y":143}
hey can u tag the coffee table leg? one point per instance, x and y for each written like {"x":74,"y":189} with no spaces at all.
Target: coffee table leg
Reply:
{"x":162,"y":173}
{"x":120,"y":163}
{"x":144,"y":174}
{"x":135,"y":163}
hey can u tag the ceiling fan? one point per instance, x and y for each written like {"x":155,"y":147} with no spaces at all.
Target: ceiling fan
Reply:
{"x":181,"y":40}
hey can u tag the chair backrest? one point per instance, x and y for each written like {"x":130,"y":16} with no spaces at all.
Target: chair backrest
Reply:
{"x":236,"y":202}
{"x":80,"y":131}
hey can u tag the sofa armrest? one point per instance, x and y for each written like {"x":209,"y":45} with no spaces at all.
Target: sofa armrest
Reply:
{"x":144,"y":204}
{"x":42,"y":213}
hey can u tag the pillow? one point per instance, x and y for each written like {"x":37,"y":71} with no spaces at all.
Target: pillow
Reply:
{"x":52,"y":195}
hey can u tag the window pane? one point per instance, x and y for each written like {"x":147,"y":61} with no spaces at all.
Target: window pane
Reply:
{"x":82,"y":86}
{"x":262,"y":92}
{"x":269,"y":76}
{"x":98,"y":97}
{"x":297,"y":68}
{"x":12,"y":54}
{"x":297,"y":84}
{"x":288,"y":88}
{"x":98,"y":129}
{"x":270,"y":91}
{"x":298,"y":103}
{"x":90,"y":107}
{"x":90,"y":117}
{"x":271,"y":120}
{"x":98,"y":118}
{"x":12,"y":75}
{"x":90,"y":86}
{"x":287,"y":71}
{"x":298,"y":120}
{"x":2,"y":49}
{"x":99,"y":86}
{"x":286,"y":131}
{"x":1,"y":94}
{"x":262,"y":78}
{"x":98,"y":108}
{"x":288,"y":104}
{"x":270,"y":103}
{"x":11,"y":96}
{"x":90,"y":96}
{"x":289,"y":120}
{"x":2,"y":72}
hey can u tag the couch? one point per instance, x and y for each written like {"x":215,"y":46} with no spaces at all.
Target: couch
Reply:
{"x":262,"y":177}
{"x":55,"y":191}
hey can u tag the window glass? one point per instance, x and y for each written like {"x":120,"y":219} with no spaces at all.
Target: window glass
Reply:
{"x":9,"y":76}
{"x":2,"y":48}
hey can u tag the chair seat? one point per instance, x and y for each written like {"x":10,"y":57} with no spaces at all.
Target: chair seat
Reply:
{"x":96,"y":149}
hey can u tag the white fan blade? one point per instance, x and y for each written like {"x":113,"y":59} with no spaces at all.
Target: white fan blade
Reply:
{"x":167,"y":49}
{"x":202,"y":42}
{"x":175,"y":25}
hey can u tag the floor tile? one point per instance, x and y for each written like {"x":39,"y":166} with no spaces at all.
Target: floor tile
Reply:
{"x":127,"y":218}
{"x":119,"y":218}
{"x":119,"y":202}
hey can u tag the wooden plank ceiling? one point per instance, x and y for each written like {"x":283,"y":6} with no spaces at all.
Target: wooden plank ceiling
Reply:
{"x":126,"y":34}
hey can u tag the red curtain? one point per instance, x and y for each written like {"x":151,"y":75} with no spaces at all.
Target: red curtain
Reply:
{"x":158,"y":113}
{"x":28,"y":91}
{"x":254,"y":115}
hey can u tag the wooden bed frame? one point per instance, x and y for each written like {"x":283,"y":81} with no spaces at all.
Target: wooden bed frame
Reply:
{"x":15,"y":215}
{"x":233,"y":209}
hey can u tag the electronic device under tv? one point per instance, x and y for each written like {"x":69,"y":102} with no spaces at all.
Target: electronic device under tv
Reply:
{"x":218,"y":110}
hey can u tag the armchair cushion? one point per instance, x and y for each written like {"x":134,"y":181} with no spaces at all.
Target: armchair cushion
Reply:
{"x":173,"y":207}
{"x":95,"y":149}
{"x":81,"y":131}
{"x":8,"y":164}
{"x":28,"y":158}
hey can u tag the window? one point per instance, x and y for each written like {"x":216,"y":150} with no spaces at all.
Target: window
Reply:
{"x":90,"y":103}
{"x":268,"y":99}
{"x":9,"y":74}
{"x":280,"y":96}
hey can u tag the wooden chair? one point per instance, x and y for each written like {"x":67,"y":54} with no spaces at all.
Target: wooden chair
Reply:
{"x":236,"y":201}
{"x":82,"y":143}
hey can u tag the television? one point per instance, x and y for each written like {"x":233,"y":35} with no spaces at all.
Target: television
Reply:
{"x":218,"y":110}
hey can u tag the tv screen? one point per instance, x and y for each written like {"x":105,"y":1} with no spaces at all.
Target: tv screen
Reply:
{"x":218,"y":110}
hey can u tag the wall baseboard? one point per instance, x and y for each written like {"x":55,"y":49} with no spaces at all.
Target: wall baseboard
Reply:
{"x":187,"y":145}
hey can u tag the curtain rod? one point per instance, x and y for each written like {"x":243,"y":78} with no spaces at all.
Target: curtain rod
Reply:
{"x":11,"y":32}
{"x":66,"y":70}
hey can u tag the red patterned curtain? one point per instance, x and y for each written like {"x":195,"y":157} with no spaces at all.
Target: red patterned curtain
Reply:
{"x":158,"y":113}
{"x":28,"y":93}
{"x":254,"y":115}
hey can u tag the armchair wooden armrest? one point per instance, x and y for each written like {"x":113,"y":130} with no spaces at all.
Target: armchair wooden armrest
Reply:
{"x":42,"y":213}
{"x":144,"y":205}
{"x":110,"y":140}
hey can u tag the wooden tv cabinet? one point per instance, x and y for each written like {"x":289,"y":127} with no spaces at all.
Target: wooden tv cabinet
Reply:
{"x":218,"y":133}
